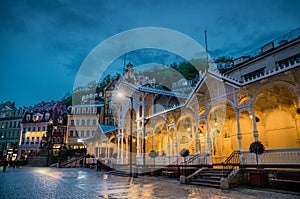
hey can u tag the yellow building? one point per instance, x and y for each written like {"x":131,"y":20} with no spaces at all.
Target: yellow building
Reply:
{"x":257,"y":98}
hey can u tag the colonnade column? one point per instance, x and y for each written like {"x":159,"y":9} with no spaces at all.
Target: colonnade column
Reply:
{"x":119,"y":138}
{"x":239,"y":135}
{"x":197,"y":136}
{"x":176,"y":141}
{"x":168,"y":145}
{"x":138,"y":152}
{"x":93,"y":147}
{"x":99,"y":144}
{"x":107,"y":146}
{"x":255,"y":133}
{"x":208,"y":142}
{"x":127,"y":147}
{"x":121,"y":145}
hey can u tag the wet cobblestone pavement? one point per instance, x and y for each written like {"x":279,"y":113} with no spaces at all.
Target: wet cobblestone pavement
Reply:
{"x":37,"y":182}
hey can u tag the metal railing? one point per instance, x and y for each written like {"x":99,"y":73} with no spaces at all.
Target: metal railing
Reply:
{"x":233,"y":161}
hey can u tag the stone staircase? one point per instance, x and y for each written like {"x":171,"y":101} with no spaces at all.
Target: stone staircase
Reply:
{"x":120,"y":171}
{"x":210,"y":177}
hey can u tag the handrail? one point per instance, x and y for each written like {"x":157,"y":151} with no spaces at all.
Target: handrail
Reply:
{"x":194,"y":159}
{"x":232,"y":160}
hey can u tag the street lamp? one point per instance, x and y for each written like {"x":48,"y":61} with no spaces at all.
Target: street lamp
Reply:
{"x":120,"y":95}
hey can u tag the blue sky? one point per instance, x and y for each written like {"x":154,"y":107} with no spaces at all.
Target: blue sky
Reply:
{"x":43,"y":43}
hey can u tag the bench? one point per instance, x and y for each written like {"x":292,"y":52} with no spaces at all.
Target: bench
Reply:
{"x":287,"y":180}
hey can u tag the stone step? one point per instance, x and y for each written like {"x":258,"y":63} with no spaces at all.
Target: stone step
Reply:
{"x":207,"y":184}
{"x":207,"y":181}
{"x":209,"y":178}
{"x":119,"y":173}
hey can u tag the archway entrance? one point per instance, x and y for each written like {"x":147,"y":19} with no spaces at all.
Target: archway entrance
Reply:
{"x":276,"y":111}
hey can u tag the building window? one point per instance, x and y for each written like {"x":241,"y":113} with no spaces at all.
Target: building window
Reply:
{"x":44,"y":128}
{"x":72,"y":122}
{"x":2,"y":125}
{"x":110,"y":121}
{"x":77,"y":122}
{"x":37,"y":140}
{"x":95,"y":110}
{"x":88,"y":122}
{"x":254,"y":74}
{"x":93,"y":133}
{"x":83,"y":110}
{"x":33,"y":128}
{"x":87,"y":133}
{"x":82,"y":134}
{"x":94,"y":122}
{"x":39,"y":128}
{"x":89,"y":110}
{"x":76,"y":133}
{"x":82,"y":122}
{"x":71,"y":134}
{"x":19,"y":123}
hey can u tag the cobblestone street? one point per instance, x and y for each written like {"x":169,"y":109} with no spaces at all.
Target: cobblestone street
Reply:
{"x":37,"y":182}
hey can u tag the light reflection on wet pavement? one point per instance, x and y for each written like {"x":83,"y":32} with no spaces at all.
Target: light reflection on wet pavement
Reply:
{"x":40,"y":182}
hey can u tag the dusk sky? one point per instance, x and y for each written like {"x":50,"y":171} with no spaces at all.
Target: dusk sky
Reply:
{"x":43,"y":43}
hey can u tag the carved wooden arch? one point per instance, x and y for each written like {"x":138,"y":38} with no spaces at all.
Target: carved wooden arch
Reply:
{"x":187,"y":114}
{"x":216,"y":103}
{"x":292,"y":88}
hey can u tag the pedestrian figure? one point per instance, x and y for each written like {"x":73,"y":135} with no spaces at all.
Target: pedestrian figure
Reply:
{"x":5,"y":163}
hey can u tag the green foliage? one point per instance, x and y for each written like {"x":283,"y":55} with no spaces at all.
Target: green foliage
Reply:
{"x":184,"y":153}
{"x":165,"y":75}
{"x":153,"y":154}
{"x":67,"y":100}
{"x":224,"y":59}
{"x":257,"y":147}
{"x":91,"y":87}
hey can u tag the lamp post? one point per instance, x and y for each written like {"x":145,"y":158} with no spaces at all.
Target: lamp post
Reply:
{"x":120,"y":95}
{"x":49,"y":139}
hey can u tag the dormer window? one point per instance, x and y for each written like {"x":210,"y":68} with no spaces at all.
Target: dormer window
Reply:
{"x":47,"y":116}
{"x":28,"y":117}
